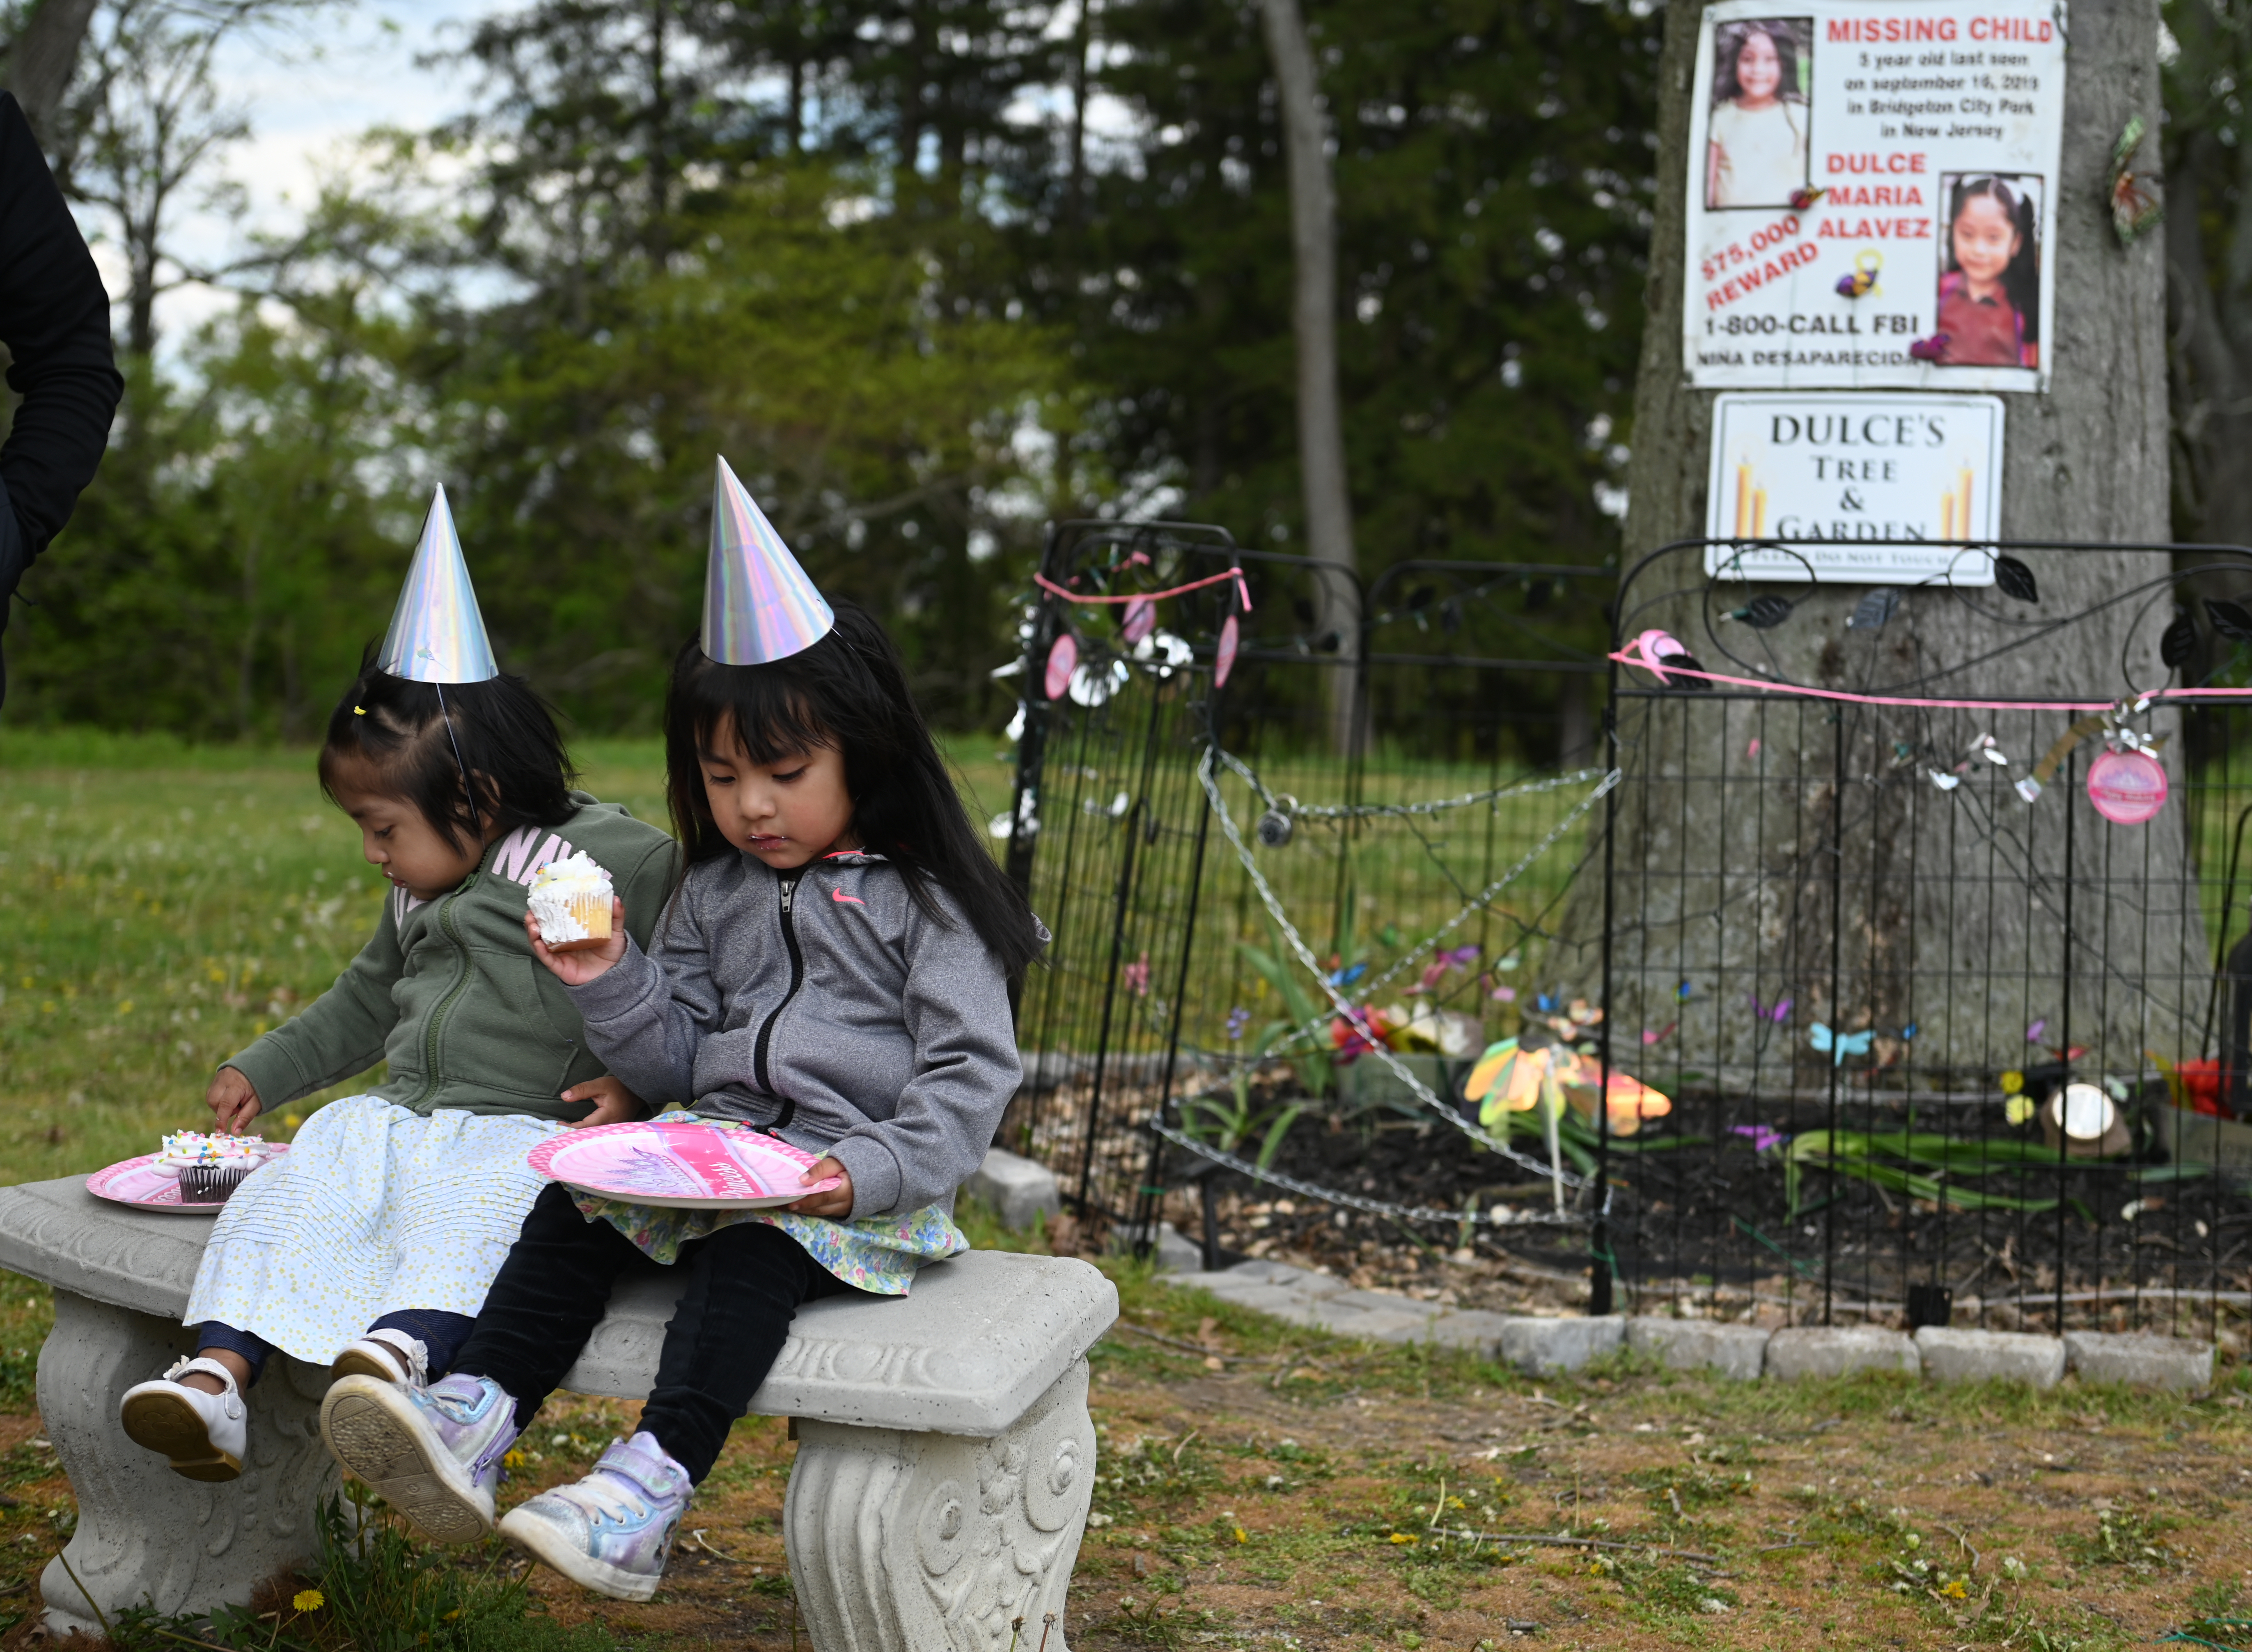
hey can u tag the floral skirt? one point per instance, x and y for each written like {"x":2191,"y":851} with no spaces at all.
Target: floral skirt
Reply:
{"x":878,"y":1254}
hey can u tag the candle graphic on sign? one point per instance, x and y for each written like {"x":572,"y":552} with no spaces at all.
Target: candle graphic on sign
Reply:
{"x":1954,"y":507}
{"x":1751,"y":504}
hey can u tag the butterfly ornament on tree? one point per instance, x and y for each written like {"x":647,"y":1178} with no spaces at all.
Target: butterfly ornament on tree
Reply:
{"x":1839,"y":1046}
{"x":2134,"y":208}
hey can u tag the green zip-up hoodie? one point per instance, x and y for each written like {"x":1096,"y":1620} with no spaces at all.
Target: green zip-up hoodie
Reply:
{"x":450,"y":994}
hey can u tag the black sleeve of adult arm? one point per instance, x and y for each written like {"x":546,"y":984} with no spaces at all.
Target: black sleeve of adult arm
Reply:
{"x":54,"y":318}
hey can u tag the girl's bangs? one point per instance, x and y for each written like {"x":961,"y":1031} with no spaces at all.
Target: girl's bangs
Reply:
{"x":771,"y":716}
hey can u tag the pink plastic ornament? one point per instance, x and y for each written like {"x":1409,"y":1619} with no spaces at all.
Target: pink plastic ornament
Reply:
{"x":1223,"y":659}
{"x":1140,"y":619}
{"x":2127,"y":788}
{"x":1063,"y":660}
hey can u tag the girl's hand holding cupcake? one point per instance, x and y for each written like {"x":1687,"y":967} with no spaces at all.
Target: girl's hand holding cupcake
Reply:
{"x":614,"y":1103}
{"x":838,"y":1202}
{"x":232,"y":1100}
{"x":577,"y":968}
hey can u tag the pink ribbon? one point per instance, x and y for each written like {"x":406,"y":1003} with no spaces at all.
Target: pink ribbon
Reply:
{"x":1636,"y":652}
{"x":1243,"y":590}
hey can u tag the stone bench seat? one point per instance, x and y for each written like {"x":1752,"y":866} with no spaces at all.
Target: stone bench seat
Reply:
{"x":945,"y":1464}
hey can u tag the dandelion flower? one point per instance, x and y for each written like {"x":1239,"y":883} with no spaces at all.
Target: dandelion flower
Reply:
{"x":308,"y":1600}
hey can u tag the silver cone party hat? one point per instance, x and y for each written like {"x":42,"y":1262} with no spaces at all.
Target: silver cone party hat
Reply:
{"x":758,"y":604}
{"x":437,"y":635}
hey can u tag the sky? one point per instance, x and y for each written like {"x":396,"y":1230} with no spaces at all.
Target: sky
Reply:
{"x":308,"y":95}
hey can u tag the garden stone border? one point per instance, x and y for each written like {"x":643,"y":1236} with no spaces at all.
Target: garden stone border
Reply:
{"x":1547,"y":1346}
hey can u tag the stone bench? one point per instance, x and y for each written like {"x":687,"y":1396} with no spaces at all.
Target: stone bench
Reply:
{"x":945,"y":1463}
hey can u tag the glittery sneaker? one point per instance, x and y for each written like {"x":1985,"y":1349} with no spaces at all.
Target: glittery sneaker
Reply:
{"x":612,"y":1531}
{"x":433,"y":1453}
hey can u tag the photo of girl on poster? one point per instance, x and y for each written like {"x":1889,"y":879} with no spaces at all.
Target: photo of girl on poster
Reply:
{"x":1756,"y":153}
{"x":1990,"y":270}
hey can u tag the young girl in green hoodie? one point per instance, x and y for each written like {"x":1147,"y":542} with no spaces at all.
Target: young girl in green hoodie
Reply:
{"x":369,"y":1244}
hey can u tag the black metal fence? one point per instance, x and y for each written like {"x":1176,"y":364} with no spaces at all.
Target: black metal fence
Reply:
{"x":1914,"y":1034}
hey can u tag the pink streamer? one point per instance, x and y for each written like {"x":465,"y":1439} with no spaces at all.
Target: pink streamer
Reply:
{"x":1243,"y":590}
{"x":1632,"y":656}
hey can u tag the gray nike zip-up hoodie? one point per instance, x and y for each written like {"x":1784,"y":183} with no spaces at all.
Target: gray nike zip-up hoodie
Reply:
{"x":825,"y":1006}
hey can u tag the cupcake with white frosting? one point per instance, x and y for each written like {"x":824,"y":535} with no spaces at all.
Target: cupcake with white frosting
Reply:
{"x":571,"y":900}
{"x":209,"y":1167}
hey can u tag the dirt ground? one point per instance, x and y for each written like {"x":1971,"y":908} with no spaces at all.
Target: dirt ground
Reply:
{"x":1261,"y":1486}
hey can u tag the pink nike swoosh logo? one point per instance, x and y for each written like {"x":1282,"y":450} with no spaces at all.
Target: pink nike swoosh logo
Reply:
{"x":839,"y":896}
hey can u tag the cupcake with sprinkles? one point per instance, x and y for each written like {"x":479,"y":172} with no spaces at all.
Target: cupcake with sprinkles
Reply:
{"x":209,"y":1167}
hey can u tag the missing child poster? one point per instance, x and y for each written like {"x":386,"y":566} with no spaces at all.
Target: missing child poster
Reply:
{"x":1886,"y":489}
{"x":1871,"y":193}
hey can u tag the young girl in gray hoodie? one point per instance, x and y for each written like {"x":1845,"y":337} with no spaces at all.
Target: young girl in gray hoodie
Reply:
{"x":834,"y":969}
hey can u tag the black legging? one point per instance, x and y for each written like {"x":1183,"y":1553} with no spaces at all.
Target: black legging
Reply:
{"x":741,"y":1287}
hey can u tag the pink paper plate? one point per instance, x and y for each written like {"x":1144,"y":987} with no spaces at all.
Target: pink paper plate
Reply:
{"x":688,"y":1167}
{"x":135,"y":1182}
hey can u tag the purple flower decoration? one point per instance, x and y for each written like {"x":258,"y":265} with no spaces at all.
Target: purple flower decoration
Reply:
{"x":1931,"y":348}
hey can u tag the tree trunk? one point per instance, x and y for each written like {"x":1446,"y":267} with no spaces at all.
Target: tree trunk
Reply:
{"x":1313,"y":314}
{"x":1774,"y":846}
{"x":44,"y":58}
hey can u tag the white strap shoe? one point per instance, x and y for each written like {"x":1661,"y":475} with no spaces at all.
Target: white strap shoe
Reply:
{"x":203,"y":1435}
{"x":388,"y":1356}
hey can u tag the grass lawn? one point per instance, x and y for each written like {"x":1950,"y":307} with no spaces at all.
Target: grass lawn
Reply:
{"x":1259,"y":1486}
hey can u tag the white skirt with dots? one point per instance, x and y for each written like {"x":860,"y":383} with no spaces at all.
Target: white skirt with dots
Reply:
{"x":373,"y":1210}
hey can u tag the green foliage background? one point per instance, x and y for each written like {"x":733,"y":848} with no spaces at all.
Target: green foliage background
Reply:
{"x":870,"y":254}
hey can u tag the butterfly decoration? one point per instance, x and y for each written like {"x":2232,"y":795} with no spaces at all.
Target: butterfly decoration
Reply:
{"x":1931,"y":348}
{"x":1237,"y":1018}
{"x":2019,"y":1109}
{"x":1907,"y":1033}
{"x":1764,"y":1137}
{"x":1136,"y":975}
{"x":1839,"y":1046}
{"x":1802,"y":198}
{"x":1346,"y":976}
{"x":1863,"y":280}
{"x":1752,"y":750}
{"x":1507,"y":961}
{"x":1946,"y":782}
{"x":1681,"y":992}
{"x":1986,"y":746}
{"x":2033,"y":1032}
{"x":1545,"y":1003}
{"x":1433,"y":975}
{"x":1777,"y":1012}
{"x":2134,"y":209}
{"x":1460,"y":957}
{"x":1658,"y":1036}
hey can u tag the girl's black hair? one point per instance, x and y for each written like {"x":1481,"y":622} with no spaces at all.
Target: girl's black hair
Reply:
{"x":849,"y":692}
{"x":1731,"y":46}
{"x":2021,"y":278}
{"x":498,"y":730}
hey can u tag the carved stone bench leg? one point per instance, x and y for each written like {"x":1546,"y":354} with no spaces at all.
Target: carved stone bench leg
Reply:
{"x":144,"y":1534}
{"x":902,"y":1540}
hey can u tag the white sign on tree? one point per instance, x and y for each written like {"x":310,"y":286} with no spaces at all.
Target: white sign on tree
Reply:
{"x":1866,"y":489}
{"x":1872,"y":194}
